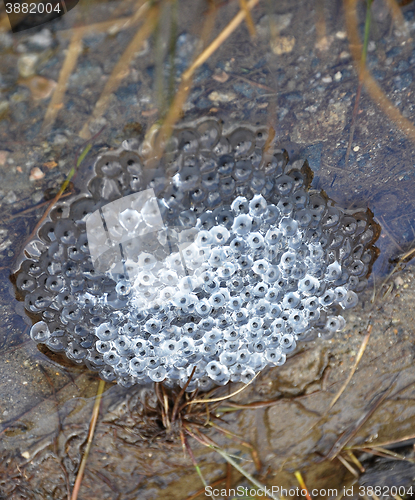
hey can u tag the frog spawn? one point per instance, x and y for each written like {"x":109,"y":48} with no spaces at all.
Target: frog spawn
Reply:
{"x":266,"y":264}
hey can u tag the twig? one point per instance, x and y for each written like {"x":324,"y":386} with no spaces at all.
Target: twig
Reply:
{"x":94,"y":418}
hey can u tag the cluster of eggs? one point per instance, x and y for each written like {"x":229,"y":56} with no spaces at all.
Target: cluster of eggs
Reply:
{"x":237,"y":262}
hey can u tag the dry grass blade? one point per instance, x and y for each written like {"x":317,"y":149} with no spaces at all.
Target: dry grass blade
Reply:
{"x":384,"y":452}
{"x":370,"y":83}
{"x":397,"y":15}
{"x":354,"y":459}
{"x":248,"y":18}
{"x":241,"y":470}
{"x":348,"y":466}
{"x":92,"y":425}
{"x":352,"y":429}
{"x":120,"y":70}
{"x":301,"y":482}
{"x":56,"y":103}
{"x":357,"y":361}
{"x":222,"y":398}
{"x":235,"y":437}
{"x":202,"y":491}
{"x":360,"y":84}
{"x":230,"y":28}
{"x":180,"y":395}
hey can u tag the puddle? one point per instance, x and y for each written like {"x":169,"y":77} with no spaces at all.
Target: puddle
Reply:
{"x":297,"y":76}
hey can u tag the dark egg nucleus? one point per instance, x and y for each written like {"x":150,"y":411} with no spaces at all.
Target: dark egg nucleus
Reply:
{"x":219,"y":256}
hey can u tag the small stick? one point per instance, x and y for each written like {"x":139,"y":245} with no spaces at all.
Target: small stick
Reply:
{"x":92,"y":425}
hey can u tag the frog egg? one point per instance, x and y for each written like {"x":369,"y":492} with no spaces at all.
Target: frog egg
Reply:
{"x":271,"y":274}
{"x":340,"y":293}
{"x":217,"y":257}
{"x":122,"y":345}
{"x":144,"y":278}
{"x":212,"y":287}
{"x":242,"y":224}
{"x":102,"y":346}
{"x":212,"y":337}
{"x":94,"y":360}
{"x":111,"y":358}
{"x":240,"y":317}
{"x":54,"y":284}
{"x":304,"y":217}
{"x":260,"y":266}
{"x":203,"y":308}
{"x":107,"y":374}
{"x":106,"y":332}
{"x":146,"y":261}
{"x":271,"y":215}
{"x":138,"y":365}
{"x":308,"y":285}
{"x":287,"y":343}
{"x":350,"y":300}
{"x":230,"y":334}
{"x":260,"y":290}
{"x":316,"y":252}
{"x":157,"y":374}
{"x":298,"y":321}
{"x":357,"y":268}
{"x":40,"y":332}
{"x":214,"y":370}
{"x":273,"y":355}
{"x":288,"y":260}
{"x":273,"y":236}
{"x":284,"y":184}
{"x":333,"y":272}
{"x":152,"y":326}
{"x":227,"y":270}
{"x":168,"y":348}
{"x":257,"y":206}
{"x":187,"y":284}
{"x":291,"y":300}
{"x":278,"y":326}
{"x":327,"y":298}
{"x":300,"y":198}
{"x":204,"y":238}
{"x":186,"y":346}
{"x":224,"y":320}
{"x":235,"y":284}
{"x":281,"y":360}
{"x":273,"y":295}
{"x":243,"y":356}
{"x":311,"y":303}
{"x":299,"y":271}
{"x":335,"y":323}
{"x":206,"y":324}
{"x":288,"y":226}
{"x":285,"y":207}
{"x":255,"y":240}
{"x":240,"y":205}
{"x":217,"y":300}
{"x":235,"y":303}
{"x":167,"y":294}
{"x":123,"y":288}
{"x":237,"y":245}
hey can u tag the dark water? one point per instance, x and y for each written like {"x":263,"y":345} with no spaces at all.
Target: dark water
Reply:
{"x":296,"y":76}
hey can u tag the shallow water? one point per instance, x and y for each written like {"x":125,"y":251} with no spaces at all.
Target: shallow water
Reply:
{"x":296,"y":76}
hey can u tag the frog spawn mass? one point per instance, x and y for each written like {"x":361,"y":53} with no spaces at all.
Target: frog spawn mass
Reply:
{"x":245,"y":263}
